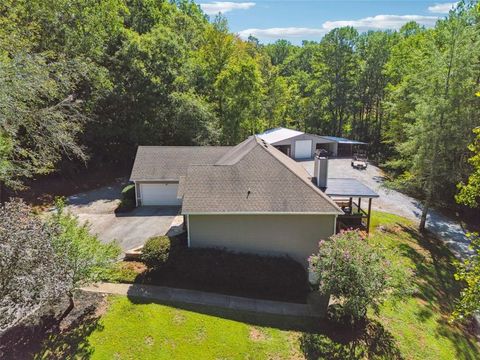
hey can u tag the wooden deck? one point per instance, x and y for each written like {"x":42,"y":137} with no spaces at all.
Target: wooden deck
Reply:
{"x":355,"y":217}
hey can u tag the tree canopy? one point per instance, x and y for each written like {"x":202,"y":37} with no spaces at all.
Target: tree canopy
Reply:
{"x":85,"y":82}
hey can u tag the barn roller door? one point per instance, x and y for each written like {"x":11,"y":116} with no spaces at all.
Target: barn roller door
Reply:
{"x":303,"y":149}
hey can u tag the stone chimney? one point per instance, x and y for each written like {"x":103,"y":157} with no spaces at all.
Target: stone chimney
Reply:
{"x":320,"y":171}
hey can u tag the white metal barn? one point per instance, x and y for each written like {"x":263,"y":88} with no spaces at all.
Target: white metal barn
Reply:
{"x":300,"y":145}
{"x":297,"y":144}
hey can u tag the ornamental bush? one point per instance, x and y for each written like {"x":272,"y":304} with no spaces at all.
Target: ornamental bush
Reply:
{"x":128,"y":199}
{"x":156,"y":252}
{"x":356,"y":274}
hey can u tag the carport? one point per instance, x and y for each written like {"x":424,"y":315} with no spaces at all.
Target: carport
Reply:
{"x":346,"y":147}
{"x":343,"y":191}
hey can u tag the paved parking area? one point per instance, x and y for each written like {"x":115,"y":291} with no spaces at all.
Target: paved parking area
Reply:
{"x":395,"y":202}
{"x":128,"y":229}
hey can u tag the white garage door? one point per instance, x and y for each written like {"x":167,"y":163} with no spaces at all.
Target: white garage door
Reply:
{"x":159,"y":194}
{"x":303,"y":149}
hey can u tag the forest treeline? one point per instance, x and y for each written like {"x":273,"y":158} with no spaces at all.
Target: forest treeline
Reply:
{"x":83,"y":82}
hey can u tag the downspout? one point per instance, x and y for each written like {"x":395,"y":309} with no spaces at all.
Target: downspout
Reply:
{"x":188,"y":229}
{"x":136,"y":194}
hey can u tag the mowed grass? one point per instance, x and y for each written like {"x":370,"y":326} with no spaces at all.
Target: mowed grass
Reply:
{"x":135,"y":330}
{"x":417,"y":327}
{"x":421,"y":323}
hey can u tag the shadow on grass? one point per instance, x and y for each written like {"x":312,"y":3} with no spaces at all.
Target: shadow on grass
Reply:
{"x":368,"y":342}
{"x":434,"y":271}
{"x":282,"y":322}
{"x":436,"y":288}
{"x":43,"y":338}
{"x":72,"y":342}
{"x":320,"y":339}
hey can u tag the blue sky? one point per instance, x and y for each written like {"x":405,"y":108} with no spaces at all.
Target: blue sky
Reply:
{"x":297,"y":20}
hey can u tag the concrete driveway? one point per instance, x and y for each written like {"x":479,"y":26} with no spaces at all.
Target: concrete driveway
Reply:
{"x":129,"y":229}
{"x":449,"y":230}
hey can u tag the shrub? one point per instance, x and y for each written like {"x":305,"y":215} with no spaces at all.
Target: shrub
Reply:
{"x":125,"y":272}
{"x":242,"y":274}
{"x":157,"y":252}
{"x":128,"y":199}
{"x":357,"y":274}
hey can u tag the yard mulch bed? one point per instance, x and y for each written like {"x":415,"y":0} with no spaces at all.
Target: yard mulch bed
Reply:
{"x":220,"y":271}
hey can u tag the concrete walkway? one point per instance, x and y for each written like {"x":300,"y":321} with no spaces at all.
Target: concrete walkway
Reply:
{"x":167,"y":294}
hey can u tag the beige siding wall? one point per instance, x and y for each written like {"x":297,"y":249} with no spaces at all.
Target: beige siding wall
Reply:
{"x":293,"y":235}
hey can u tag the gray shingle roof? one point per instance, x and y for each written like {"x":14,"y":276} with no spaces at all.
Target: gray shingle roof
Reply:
{"x":253,"y":177}
{"x":168,"y":163}
{"x":347,"y":187}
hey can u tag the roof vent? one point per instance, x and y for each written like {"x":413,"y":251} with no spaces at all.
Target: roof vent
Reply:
{"x":248,"y":193}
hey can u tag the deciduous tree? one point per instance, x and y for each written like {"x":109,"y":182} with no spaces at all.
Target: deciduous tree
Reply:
{"x":30,"y":272}
{"x":81,"y":256}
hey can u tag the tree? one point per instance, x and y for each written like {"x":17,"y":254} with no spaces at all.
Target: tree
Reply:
{"x":368,"y":122}
{"x":334,"y":79}
{"x":445,"y":109}
{"x":277,"y":101}
{"x":240,"y":89}
{"x":356,"y":274}
{"x":40,"y":117}
{"x":279,"y":51}
{"x":30,"y":271}
{"x":470,"y":192}
{"x":81,"y":255}
{"x":468,"y":271}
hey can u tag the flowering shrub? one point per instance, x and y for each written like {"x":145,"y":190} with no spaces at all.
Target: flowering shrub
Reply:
{"x":355,"y":273}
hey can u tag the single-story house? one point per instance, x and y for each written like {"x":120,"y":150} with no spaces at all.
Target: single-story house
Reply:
{"x":251,"y":197}
{"x":247,"y":198}
{"x":300,"y":145}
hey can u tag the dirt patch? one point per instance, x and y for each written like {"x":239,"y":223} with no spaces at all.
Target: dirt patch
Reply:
{"x":178,"y":318}
{"x":201,"y":334}
{"x":258,"y":334}
{"x":149,"y":341}
{"x":135,"y":266}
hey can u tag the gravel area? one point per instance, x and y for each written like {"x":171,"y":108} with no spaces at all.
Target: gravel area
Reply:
{"x":449,"y":230}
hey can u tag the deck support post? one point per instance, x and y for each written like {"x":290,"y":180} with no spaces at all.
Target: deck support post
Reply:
{"x":359,"y":204}
{"x":369,"y":214}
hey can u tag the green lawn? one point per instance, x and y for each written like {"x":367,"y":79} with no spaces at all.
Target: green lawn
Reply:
{"x":421,"y":324}
{"x":415,"y":328}
{"x":152,"y":331}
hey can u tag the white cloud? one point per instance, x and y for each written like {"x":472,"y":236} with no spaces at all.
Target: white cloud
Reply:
{"x":287,"y":32}
{"x":442,"y":8}
{"x":223,"y":7}
{"x":379,"y":22}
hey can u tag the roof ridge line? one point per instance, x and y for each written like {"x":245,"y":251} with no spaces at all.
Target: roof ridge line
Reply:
{"x":308,"y":183}
{"x":184,"y":146}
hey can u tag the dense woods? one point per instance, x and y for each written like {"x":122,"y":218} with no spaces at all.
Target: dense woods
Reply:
{"x":84,"y":82}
